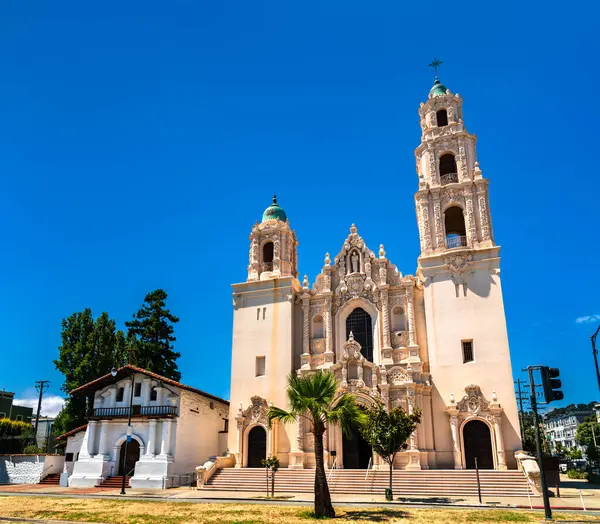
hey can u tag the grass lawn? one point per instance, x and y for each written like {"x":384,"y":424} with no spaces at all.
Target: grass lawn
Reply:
{"x":142,"y":512}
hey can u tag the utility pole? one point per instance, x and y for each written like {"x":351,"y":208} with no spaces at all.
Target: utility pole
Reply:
{"x":521,"y":412}
{"x":595,"y":352}
{"x":538,"y":442}
{"x":41,"y":386}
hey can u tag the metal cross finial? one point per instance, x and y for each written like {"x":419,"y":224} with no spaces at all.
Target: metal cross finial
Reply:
{"x":435,"y":64}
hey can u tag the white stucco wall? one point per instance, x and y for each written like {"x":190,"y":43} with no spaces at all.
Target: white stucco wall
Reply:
{"x":28,"y":469}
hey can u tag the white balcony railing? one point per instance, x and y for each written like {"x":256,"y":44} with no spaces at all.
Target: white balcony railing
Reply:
{"x":449,"y":178}
{"x":457,"y":241}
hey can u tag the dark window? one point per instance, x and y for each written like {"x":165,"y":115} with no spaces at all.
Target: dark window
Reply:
{"x":442,"y":118}
{"x":456,"y":234}
{"x":467,"y":347}
{"x":447,"y":165}
{"x":359,"y":322}
{"x":153,"y":394}
{"x":267,"y":257}
{"x":138,"y":389}
{"x":2,"y":415}
{"x":19,"y":418}
{"x":120,"y":393}
{"x":226,"y":425}
{"x":69,"y":457}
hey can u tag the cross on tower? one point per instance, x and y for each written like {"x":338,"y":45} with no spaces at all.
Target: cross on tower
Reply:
{"x":435,"y":64}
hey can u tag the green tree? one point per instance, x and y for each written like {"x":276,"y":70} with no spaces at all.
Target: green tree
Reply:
{"x":560,"y":450}
{"x":150,"y":335}
{"x":312,"y":397}
{"x":14,"y":434}
{"x":586,"y":431}
{"x":89,"y":349}
{"x":574,"y":454}
{"x":387,"y":433}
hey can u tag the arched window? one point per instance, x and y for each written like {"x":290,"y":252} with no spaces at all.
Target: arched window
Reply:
{"x":398,"y":319}
{"x":268,"y":256}
{"x":448,"y":170}
{"x":442,"y":118}
{"x":456,"y":235}
{"x":317,"y":327}
{"x":359,"y":322}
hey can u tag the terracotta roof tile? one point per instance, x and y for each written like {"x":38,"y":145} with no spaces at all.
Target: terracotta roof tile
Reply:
{"x":124,"y":372}
{"x":72,"y":432}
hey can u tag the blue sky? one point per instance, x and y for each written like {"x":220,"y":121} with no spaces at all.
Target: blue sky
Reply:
{"x":139,"y":141}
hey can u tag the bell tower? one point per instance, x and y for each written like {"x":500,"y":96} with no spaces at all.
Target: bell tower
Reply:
{"x":459,"y":266}
{"x":273,"y":246}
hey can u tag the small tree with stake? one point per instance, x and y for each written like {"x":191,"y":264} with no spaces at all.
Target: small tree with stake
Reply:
{"x":271,"y":464}
{"x":387,"y":433}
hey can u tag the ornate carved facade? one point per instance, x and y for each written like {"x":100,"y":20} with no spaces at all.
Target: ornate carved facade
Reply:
{"x":407,"y":341}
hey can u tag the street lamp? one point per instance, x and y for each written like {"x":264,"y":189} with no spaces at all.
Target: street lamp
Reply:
{"x":113,"y":372}
{"x":595,"y":352}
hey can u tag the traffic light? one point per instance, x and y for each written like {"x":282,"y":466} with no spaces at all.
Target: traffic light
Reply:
{"x":551,"y":384}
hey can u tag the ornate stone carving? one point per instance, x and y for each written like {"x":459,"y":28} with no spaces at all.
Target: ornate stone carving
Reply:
{"x":458,"y":263}
{"x":474,"y":401}
{"x":399,"y":339}
{"x":398,"y":376}
{"x":257,"y":411}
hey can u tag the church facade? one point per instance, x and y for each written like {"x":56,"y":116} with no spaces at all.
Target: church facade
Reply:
{"x":436,"y":341}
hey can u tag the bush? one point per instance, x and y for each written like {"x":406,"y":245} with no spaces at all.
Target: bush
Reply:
{"x":574,"y":474}
{"x":593,"y":478}
{"x":32,"y":449}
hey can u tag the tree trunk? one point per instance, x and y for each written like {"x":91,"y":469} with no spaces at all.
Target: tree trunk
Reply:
{"x":323,"y":506}
{"x":391,"y":476}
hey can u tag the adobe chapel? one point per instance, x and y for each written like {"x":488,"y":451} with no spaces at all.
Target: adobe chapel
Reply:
{"x":436,"y":340}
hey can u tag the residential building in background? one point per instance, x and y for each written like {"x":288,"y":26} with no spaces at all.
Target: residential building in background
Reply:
{"x":12,"y":411}
{"x":562,"y":428}
{"x":44,"y":436}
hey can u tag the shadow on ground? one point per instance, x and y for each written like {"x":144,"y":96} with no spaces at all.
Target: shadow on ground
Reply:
{"x":379,"y":515}
{"x":430,"y":500}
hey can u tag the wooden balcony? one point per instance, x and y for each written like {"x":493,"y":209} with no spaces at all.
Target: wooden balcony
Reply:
{"x":137,"y":411}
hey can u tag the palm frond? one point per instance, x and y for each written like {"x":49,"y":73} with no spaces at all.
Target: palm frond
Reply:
{"x":280,"y":414}
{"x":346,"y":412}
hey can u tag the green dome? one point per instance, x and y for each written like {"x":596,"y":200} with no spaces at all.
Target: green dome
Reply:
{"x":274,"y":212}
{"x":438,"y":88}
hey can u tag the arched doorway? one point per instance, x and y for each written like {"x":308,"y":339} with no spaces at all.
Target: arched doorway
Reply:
{"x":478,"y":443}
{"x":357,"y":453}
{"x":131,"y":457}
{"x":257,"y":446}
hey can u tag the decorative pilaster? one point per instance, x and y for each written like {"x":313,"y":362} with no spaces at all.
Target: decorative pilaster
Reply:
{"x":410,"y":314}
{"x":328,"y":334}
{"x":440,"y":243}
{"x":423,"y":211}
{"x":91,"y":443}
{"x":471,"y":225}
{"x":483,"y":209}
{"x":385,"y":312}
{"x":453,"y":414}
{"x":151,"y":439}
{"x":103,"y":449}
{"x":305,"y":357}
{"x":165,"y":445}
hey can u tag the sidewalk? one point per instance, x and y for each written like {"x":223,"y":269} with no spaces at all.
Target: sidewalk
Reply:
{"x":571,"y":491}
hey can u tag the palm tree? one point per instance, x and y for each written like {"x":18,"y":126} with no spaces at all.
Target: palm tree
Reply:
{"x":311,"y":397}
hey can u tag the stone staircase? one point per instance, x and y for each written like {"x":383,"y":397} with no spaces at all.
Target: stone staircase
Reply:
{"x":425,"y":483}
{"x":51,"y":480}
{"x":114,"y":482}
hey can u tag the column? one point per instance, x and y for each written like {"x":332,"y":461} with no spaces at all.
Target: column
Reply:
{"x":239,"y":457}
{"x":328,"y":334}
{"x":165,"y":445}
{"x":305,"y":357}
{"x":410,"y":314}
{"x":423,"y":202}
{"x":385,"y":312}
{"x":299,"y":435}
{"x":103,"y":445}
{"x":151,"y":438}
{"x":145,"y":399}
{"x":440,"y":242}
{"x":499,"y":442}
{"x":483,"y":210}
{"x":112,"y":399}
{"x":471,"y":224}
{"x":453,"y":412}
{"x":91,"y":447}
